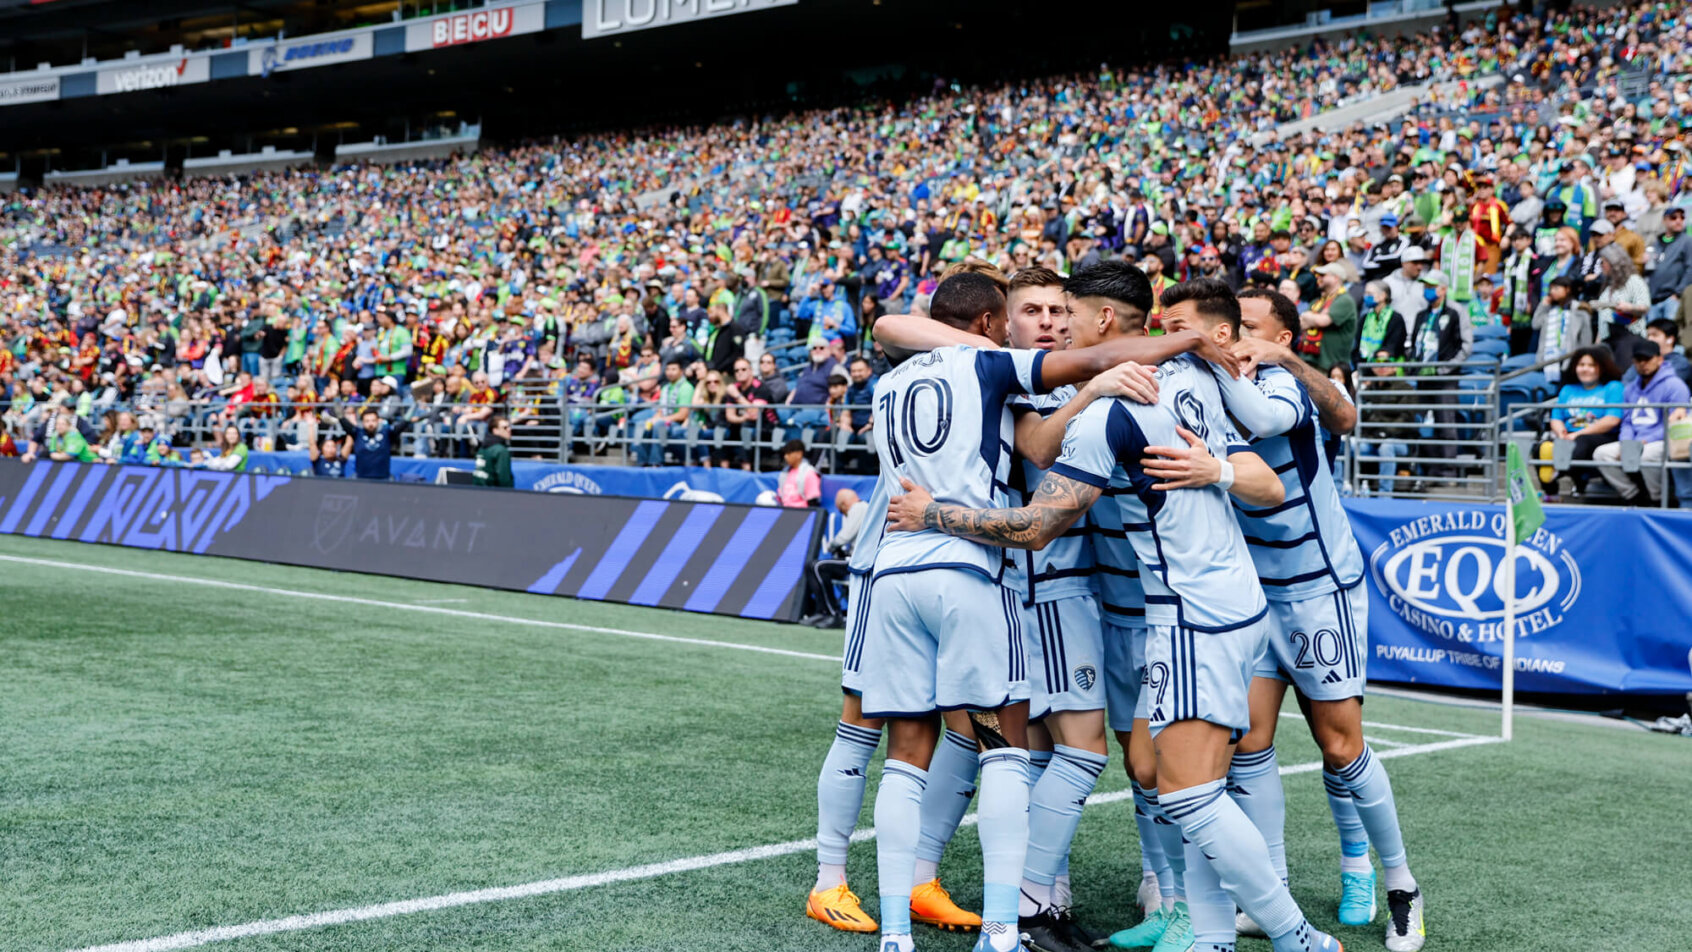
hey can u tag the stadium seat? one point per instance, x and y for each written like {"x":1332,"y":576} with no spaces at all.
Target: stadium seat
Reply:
{"x":1518,"y":362}
{"x":1491,"y":346}
{"x":1492,"y":332}
{"x":1519,"y":391}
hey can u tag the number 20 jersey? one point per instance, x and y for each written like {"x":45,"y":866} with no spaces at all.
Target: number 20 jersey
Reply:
{"x":941,"y":422}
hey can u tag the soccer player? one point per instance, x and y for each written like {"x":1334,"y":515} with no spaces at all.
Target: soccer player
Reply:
{"x":1311,"y":570}
{"x":1205,"y":610}
{"x":1060,"y":616}
{"x":942,"y":633}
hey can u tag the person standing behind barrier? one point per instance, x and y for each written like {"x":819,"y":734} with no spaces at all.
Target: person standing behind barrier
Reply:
{"x":1445,"y":338}
{"x":493,"y":459}
{"x":1387,"y":427}
{"x":1596,"y":380}
{"x":373,"y":443}
{"x":800,"y":486}
{"x":1655,"y":384}
{"x":66,"y":443}
{"x":1561,"y":326}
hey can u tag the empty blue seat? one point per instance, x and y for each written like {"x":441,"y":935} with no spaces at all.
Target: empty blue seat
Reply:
{"x":1492,"y":332}
{"x":1518,"y":362}
{"x":1491,"y":347}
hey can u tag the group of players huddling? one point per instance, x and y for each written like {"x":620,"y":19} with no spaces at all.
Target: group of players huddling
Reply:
{"x":1079,"y":525}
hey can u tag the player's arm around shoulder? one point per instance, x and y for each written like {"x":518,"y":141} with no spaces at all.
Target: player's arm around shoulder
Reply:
{"x":902,"y":335}
{"x":1059,"y":503}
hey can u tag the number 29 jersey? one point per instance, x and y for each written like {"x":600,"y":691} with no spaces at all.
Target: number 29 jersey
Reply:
{"x":941,"y":422}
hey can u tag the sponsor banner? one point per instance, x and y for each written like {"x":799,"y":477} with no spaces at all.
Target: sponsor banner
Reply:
{"x":474,"y":26}
{"x":1601,"y":597}
{"x":608,"y":17}
{"x":308,"y":52}
{"x":705,"y":557}
{"x":155,"y":74}
{"x":16,"y":91}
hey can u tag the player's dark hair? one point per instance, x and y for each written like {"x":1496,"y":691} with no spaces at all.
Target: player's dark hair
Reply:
{"x":963,"y":297}
{"x":1285,"y":311}
{"x":1118,"y":282}
{"x":1211,"y":298}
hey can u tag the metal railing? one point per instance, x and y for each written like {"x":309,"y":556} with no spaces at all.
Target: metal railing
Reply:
{"x":544,"y":426}
{"x":1439,"y":421}
{"x":1633,"y":457}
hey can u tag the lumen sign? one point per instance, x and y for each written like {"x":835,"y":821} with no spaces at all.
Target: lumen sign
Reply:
{"x":608,"y":17}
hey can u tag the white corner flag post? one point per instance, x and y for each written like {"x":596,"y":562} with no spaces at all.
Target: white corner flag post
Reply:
{"x":1509,"y":612}
{"x":1523,"y":515}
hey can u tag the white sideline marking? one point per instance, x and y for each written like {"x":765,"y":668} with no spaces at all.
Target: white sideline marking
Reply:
{"x":187,"y":940}
{"x":1380,"y":742}
{"x":1417,"y":730}
{"x":442,"y":601}
{"x":418,"y":607}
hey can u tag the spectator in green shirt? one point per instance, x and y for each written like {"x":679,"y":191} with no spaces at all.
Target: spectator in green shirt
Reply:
{"x":493,"y":460}
{"x":669,"y":421}
{"x":1330,"y":325}
{"x":66,"y":444}
{"x":393,"y":346}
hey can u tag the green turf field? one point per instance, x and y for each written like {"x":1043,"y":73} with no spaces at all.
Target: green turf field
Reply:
{"x":181,"y":756}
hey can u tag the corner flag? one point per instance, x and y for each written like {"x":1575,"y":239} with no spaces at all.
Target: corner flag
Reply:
{"x":1525,"y":510}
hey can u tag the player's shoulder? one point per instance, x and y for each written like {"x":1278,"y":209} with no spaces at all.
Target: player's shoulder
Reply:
{"x":1272,"y":380}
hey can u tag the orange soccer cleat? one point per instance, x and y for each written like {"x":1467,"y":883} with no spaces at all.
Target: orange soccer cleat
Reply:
{"x":839,"y":908}
{"x":932,"y":905}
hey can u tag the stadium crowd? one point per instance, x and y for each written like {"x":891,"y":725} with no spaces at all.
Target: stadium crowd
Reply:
{"x":637,"y":286}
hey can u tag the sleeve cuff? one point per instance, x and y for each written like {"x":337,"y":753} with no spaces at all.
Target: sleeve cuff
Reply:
{"x":1080,"y":476}
{"x":1236,"y":448}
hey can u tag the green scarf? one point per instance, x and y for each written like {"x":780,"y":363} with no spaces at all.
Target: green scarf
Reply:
{"x":1373,"y":333}
{"x":1457,"y":257}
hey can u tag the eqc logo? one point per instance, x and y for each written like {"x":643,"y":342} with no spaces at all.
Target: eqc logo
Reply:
{"x":1444,"y":575}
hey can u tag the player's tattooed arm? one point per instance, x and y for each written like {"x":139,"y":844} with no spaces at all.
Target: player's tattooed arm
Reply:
{"x":1057,"y":505}
{"x":1335,"y":412}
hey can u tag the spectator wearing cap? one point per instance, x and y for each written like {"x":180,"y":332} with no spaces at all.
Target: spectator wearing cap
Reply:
{"x":1442,"y":340}
{"x":1663,"y":333}
{"x":1383,"y":257}
{"x":810,"y":390}
{"x":1616,"y":214}
{"x":1653,"y":384}
{"x":1405,"y":284}
{"x":1576,"y":193}
{"x":1671,"y":253}
{"x":827,"y":313}
{"x":493,"y":458}
{"x":1330,"y":324}
{"x":800,"y":486}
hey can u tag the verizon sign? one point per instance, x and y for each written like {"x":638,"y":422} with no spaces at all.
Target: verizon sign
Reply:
{"x":607,"y":17}
{"x":155,"y":75}
{"x":491,"y":23}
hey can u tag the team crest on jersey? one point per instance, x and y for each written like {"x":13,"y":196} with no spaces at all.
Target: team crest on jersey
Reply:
{"x":1085,"y":677}
{"x":1191,"y":414}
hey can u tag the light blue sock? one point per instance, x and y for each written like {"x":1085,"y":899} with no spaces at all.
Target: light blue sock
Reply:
{"x":1151,"y":848}
{"x":1208,"y":904}
{"x":1215,"y":824}
{"x":1371,"y":791}
{"x":1254,"y":781}
{"x":1038,"y":761}
{"x":840,"y":790}
{"x":898,"y":816}
{"x":1054,"y":810}
{"x":1354,"y":843}
{"x":951,"y":785}
{"x":1004,"y":831}
{"x":1174,"y":852}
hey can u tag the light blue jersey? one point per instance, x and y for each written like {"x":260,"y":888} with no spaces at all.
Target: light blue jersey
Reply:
{"x":1064,"y":568}
{"x":1196,"y":568}
{"x":1304,"y":547}
{"x":941,"y":422}
{"x":873,"y":528}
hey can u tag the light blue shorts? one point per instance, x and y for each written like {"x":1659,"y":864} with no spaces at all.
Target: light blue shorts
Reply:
{"x":941,"y":639}
{"x":857,"y":619}
{"x":1200,"y":675}
{"x":1319,"y":644}
{"x":1066,"y":662}
{"x":1125,"y":668}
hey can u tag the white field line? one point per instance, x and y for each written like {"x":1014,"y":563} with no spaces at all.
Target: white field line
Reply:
{"x":419,"y":607}
{"x":188,"y":940}
{"x":1299,"y":715}
{"x":1382,"y":742}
